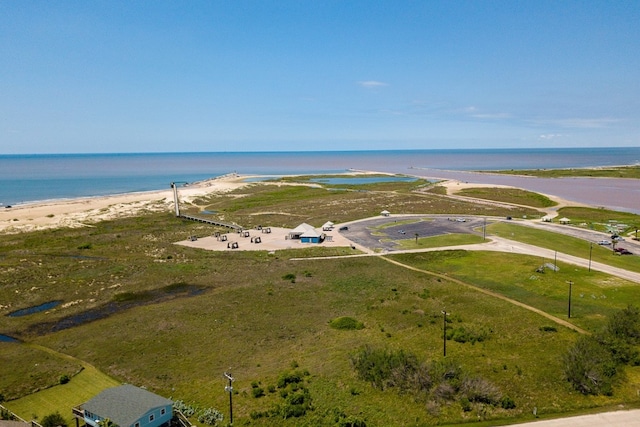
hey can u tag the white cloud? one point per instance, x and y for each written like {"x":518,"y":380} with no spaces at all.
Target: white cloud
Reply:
{"x":372,"y":84}
{"x":550,"y":135}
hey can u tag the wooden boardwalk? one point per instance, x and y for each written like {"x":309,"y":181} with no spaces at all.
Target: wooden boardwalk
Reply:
{"x":211,"y":222}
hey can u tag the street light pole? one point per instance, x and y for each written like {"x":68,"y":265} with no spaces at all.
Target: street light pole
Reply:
{"x":444,"y":332}
{"x":569,"y":310}
{"x":229,"y":389}
{"x":590,"y":250}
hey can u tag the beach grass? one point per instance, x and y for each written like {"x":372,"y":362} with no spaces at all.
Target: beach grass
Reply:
{"x":289,"y":205}
{"x":508,"y":195}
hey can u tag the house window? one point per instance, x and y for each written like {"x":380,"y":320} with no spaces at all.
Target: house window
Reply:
{"x":163,"y":411}
{"x":151,"y":418}
{"x":137,"y":424}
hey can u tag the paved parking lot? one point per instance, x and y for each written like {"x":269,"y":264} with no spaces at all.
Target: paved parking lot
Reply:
{"x":381,"y":233}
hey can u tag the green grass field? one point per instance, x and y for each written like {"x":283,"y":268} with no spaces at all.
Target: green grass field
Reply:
{"x":261,"y":315}
{"x":565,"y":244}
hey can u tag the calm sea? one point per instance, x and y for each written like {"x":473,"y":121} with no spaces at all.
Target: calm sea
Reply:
{"x":29,"y":178}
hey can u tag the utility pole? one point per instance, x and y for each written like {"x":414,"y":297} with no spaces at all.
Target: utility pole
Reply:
{"x":484,"y":230}
{"x":444,"y":332}
{"x":590,"y":250}
{"x":229,"y":389}
{"x":569,"y":310}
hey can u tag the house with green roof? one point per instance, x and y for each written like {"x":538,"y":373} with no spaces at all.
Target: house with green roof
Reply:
{"x":126,"y":406}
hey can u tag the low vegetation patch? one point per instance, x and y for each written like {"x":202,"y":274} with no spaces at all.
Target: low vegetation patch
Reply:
{"x":346,"y":323}
{"x":441,"y":382}
{"x":509,"y":195}
{"x":594,"y":364}
{"x":608,"y":172}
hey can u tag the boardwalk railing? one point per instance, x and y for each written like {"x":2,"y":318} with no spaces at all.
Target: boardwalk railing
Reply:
{"x":211,"y":222}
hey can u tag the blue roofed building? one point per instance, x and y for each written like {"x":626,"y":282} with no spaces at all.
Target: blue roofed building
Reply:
{"x":126,"y":406}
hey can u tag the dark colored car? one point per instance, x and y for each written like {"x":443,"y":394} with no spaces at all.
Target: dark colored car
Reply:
{"x":345,"y":228}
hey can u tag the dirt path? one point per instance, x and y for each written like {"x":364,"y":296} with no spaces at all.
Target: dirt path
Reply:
{"x":490,"y":293}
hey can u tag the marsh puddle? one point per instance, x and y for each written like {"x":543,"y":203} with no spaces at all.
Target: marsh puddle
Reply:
{"x":120,"y":303}
{"x":7,"y":338}
{"x":35,"y":309}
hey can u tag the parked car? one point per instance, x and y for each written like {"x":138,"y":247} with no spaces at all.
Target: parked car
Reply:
{"x":345,"y":228}
{"x":623,"y":251}
{"x":604,"y":242}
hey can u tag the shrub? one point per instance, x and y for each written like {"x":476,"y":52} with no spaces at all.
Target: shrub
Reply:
{"x":289,"y":378}
{"x":548,"y":328}
{"x":507,"y":403}
{"x":346,"y":323}
{"x":210,"y":416}
{"x":64,"y":379}
{"x":384,"y":368}
{"x":290,"y":276}
{"x":465,"y":404}
{"x":257,"y":392}
{"x":590,"y":367}
{"x":53,"y":420}
{"x":463,"y":335}
{"x":478,"y":389}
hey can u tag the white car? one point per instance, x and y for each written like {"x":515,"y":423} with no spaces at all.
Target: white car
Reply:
{"x":604,"y":242}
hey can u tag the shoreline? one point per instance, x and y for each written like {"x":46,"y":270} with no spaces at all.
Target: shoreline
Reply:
{"x":85,"y":211}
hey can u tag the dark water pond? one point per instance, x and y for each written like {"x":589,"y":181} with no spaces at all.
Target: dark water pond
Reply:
{"x":126,"y":302}
{"x":35,"y":309}
{"x":7,"y":338}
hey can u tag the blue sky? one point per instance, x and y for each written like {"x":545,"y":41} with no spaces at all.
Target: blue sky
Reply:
{"x":147,"y":76}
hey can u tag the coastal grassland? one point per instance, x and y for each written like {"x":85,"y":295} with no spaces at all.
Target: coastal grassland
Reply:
{"x":261,"y":314}
{"x":602,"y":172}
{"x":352,"y":182}
{"x":565,"y":244}
{"x":262,"y":325}
{"x":508,"y":195}
{"x":600,"y":219}
{"x":595,"y":295}
{"x":287,"y":205}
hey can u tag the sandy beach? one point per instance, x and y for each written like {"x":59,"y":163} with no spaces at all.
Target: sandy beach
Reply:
{"x":83,"y":212}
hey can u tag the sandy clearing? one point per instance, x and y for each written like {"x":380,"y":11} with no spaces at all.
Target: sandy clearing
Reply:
{"x":276,"y":240}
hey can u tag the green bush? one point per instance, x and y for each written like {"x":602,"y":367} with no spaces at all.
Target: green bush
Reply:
{"x":590,"y":367}
{"x":289,"y":378}
{"x":346,"y":323}
{"x":257,"y":392}
{"x":290,"y":276}
{"x":507,"y":403}
{"x":53,"y":420}
{"x":64,"y":379}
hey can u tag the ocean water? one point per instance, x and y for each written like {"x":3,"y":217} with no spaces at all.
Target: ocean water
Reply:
{"x":30,"y":178}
